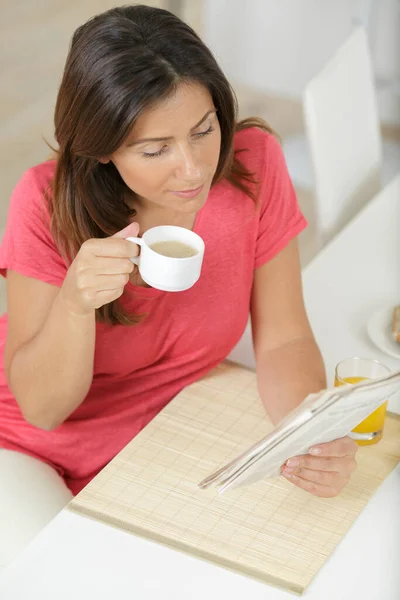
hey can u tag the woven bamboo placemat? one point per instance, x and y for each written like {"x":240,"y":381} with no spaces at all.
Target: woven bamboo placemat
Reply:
{"x":271,"y":530}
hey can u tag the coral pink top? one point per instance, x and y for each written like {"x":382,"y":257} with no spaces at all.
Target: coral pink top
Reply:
{"x":139,"y":369}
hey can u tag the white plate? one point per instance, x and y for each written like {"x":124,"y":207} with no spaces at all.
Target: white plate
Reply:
{"x":380,"y":331}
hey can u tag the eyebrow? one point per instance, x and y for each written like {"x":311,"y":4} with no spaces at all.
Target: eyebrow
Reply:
{"x":166,"y":139}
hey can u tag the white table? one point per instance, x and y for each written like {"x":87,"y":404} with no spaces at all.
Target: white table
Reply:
{"x":75,"y":557}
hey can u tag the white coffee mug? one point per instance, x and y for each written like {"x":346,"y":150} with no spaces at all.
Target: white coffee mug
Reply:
{"x":168,"y":273}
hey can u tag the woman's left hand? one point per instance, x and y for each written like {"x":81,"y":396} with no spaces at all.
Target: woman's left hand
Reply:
{"x":326,"y":470}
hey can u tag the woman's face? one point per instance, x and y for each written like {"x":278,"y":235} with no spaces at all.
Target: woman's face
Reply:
{"x":172,"y":153}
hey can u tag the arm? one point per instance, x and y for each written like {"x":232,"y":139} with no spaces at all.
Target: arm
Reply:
{"x":289,"y":365}
{"x":51,"y":332}
{"x":49,"y":351}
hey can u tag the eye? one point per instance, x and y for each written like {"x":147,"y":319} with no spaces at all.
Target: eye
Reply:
{"x":154,"y":154}
{"x":203,"y":133}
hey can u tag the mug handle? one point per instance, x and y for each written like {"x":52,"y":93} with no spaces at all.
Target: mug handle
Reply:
{"x":139,"y":242}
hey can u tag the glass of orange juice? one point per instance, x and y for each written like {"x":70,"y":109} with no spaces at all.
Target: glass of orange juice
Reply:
{"x":354,"y":370}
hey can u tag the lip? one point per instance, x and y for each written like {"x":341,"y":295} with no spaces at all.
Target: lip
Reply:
{"x":189,"y":193}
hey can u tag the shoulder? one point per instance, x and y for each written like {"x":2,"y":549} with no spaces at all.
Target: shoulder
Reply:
{"x":37,"y":179}
{"x":27,"y":245}
{"x":29,"y":194}
{"x":258,"y":150}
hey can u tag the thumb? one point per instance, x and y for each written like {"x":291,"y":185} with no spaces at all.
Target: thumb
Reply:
{"x":131,"y":230}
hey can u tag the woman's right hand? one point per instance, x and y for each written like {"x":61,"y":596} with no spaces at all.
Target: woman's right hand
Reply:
{"x":100,"y":271}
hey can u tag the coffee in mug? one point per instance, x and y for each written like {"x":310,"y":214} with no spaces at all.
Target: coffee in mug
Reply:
{"x":170,"y":257}
{"x":173,"y":249}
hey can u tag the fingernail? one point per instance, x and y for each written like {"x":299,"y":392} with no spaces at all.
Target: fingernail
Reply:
{"x":292,"y":462}
{"x":287,"y":474}
{"x":127,"y":227}
{"x":315,"y":451}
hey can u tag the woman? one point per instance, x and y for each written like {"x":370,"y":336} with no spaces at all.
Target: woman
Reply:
{"x":146,"y":126}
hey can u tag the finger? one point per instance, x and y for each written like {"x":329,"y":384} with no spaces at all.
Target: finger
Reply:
{"x":342,"y":447}
{"x":132,"y":230}
{"x":327,"y":478}
{"x":332,"y":464}
{"x":107,"y":296}
{"x":111,"y":282}
{"x":317,"y":489}
{"x":113,"y":266}
{"x":111,"y":248}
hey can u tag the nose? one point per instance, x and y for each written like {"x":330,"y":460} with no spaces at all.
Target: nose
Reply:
{"x":189,"y":167}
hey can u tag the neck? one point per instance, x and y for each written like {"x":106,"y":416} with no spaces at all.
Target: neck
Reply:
{"x":150,"y":215}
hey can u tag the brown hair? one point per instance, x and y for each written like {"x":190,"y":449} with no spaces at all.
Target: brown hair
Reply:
{"x":119,"y":63}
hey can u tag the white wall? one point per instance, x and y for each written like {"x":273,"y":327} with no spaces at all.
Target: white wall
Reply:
{"x":276,"y":46}
{"x":384,"y":32}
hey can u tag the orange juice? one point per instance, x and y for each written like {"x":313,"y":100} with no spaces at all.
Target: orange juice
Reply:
{"x":374,"y":422}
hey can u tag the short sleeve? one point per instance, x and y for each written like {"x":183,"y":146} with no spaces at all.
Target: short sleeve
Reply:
{"x":280,"y":218}
{"x":27,"y":246}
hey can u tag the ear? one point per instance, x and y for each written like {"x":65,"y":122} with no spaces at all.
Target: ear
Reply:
{"x":104,"y":160}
